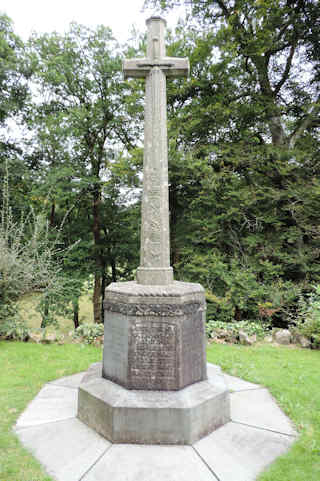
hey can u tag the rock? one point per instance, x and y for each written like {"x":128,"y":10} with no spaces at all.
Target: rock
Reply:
{"x":35,"y":337}
{"x":283,"y":336}
{"x":268,"y":339}
{"x":223,"y":336}
{"x":49,"y":338}
{"x":245,"y":339}
{"x":304,"y":341}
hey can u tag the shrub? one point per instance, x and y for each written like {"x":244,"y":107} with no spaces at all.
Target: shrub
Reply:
{"x":232,"y":328}
{"x":30,"y":257}
{"x":14,"y":329}
{"x":89,"y":333}
{"x":308,"y":321}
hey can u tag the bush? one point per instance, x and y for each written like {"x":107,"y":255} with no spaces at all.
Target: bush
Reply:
{"x":232,"y":328}
{"x":14,"y":329}
{"x":89,"y":333}
{"x":308,"y":321}
{"x":30,"y":258}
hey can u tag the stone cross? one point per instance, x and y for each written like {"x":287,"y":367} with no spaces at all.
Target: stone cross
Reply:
{"x":155,"y":238}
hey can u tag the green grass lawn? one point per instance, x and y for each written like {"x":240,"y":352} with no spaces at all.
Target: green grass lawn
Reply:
{"x":292,"y":375}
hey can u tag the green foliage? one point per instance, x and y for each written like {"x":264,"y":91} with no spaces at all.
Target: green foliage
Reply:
{"x":308,"y":321}
{"x":56,"y":300}
{"x":30,"y":260}
{"x":82,"y":133}
{"x":14,"y":329}
{"x":89,"y":333}
{"x":233,"y":328}
{"x":13,"y":71}
{"x":244,"y":155}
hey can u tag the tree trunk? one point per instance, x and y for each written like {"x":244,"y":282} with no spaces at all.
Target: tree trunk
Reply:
{"x":45,"y":315}
{"x":96,"y":299}
{"x":114,"y":270}
{"x":103,"y":287}
{"x":75,"y":306}
{"x":52,"y":214}
{"x":97,"y":305}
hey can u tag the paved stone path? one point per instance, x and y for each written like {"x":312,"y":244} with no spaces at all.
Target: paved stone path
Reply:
{"x":258,"y":433}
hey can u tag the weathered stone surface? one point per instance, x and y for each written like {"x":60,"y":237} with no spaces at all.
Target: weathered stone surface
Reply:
{"x":155,"y":240}
{"x":154,"y":335}
{"x":283,"y":336}
{"x":152,"y":417}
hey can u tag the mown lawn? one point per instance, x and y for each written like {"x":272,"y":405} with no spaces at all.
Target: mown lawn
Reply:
{"x":292,"y":375}
{"x":25,"y":367}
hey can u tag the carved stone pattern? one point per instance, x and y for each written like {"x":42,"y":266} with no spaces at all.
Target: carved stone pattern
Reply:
{"x":163,"y":310}
{"x":176,"y":288}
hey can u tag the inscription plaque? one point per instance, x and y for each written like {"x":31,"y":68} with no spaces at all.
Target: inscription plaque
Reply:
{"x":152,"y":355}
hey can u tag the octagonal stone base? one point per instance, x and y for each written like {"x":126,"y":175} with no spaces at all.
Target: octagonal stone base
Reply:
{"x":154,"y":336}
{"x":152,"y":417}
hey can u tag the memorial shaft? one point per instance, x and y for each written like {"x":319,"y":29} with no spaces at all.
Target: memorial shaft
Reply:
{"x":155,"y":236}
{"x":153,"y":386}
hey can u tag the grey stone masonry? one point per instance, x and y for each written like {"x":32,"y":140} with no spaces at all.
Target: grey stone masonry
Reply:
{"x":152,"y":417}
{"x":155,"y":244}
{"x":154,"y":335}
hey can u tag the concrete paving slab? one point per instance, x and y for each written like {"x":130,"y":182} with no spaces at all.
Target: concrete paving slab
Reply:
{"x":69,"y":381}
{"x":124,"y":462}
{"x":213,"y":369}
{"x":239,"y":453}
{"x":53,"y":403}
{"x":66,"y":449}
{"x":233,"y":383}
{"x":257,"y":408}
{"x":237,"y":384}
{"x":71,"y":451}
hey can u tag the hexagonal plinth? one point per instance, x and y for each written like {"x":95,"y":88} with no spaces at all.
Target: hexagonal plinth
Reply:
{"x":154,"y":335}
{"x":152,"y":417}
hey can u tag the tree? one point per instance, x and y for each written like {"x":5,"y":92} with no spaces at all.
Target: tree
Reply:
{"x":263,"y":44}
{"x":82,"y":125}
{"x":244,"y":152}
{"x":15,"y":72}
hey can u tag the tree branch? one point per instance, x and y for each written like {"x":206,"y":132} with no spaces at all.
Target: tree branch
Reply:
{"x":223,"y":7}
{"x":287,"y":69}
